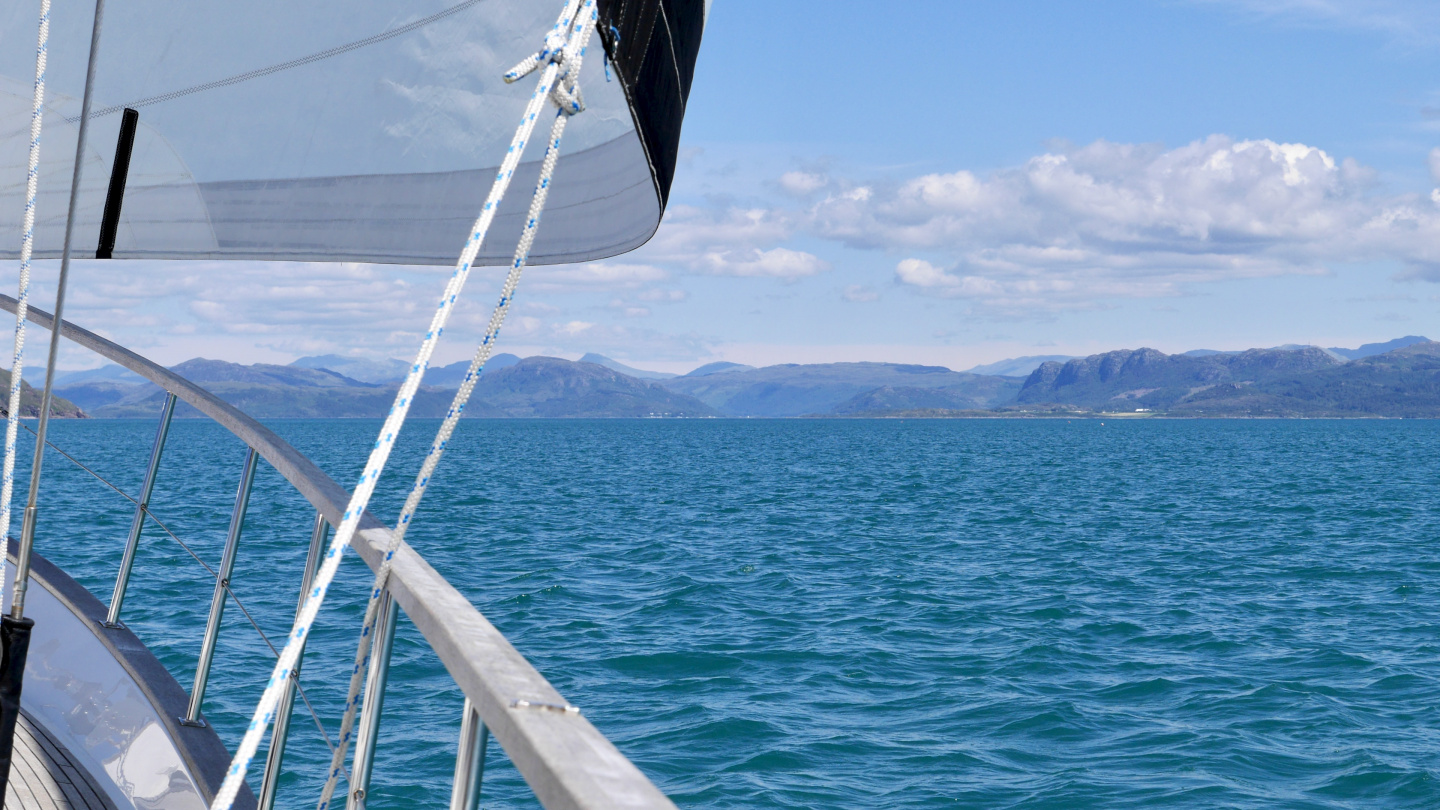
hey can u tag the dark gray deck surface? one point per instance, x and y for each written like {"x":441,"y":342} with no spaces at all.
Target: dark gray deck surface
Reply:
{"x":44,"y":777}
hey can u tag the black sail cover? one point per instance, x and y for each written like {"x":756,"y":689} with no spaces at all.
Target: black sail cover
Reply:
{"x":340,"y":130}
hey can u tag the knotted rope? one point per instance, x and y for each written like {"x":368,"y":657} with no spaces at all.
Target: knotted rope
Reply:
{"x":563,"y":45}
{"x":566,"y":96}
{"x":22,"y":298}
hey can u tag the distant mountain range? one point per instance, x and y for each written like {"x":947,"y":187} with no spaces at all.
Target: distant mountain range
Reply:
{"x":1401,"y":382}
{"x":1023,"y":366}
{"x":30,"y":400}
{"x":551,"y":387}
{"x":261,"y":390}
{"x":536,"y":386}
{"x":833,"y":388}
{"x":393,"y":371}
{"x":615,"y":365}
{"x":1396,"y":378}
{"x":1019,"y":366}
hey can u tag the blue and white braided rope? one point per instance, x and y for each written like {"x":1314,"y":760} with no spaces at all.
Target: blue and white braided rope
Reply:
{"x":265,"y":710}
{"x":22,"y":298}
{"x":568,"y":100}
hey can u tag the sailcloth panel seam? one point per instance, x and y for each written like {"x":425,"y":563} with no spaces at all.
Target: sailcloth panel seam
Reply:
{"x":655,"y":72}
{"x":604,"y":206}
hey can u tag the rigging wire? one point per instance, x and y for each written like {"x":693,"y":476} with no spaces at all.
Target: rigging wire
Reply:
{"x":568,"y":101}
{"x":22,"y":299}
{"x":567,"y":29}
{"x":330,"y":743}
{"x":282,"y":66}
{"x":32,"y":500}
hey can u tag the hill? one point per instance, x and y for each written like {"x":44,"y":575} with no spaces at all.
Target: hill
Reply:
{"x":110,"y":373}
{"x":552,"y":387}
{"x":384,"y":372}
{"x":629,"y":371}
{"x":1372,"y":349}
{"x":1019,"y":366}
{"x":207,"y":372}
{"x":719,"y":367}
{"x":538,"y":386}
{"x":30,"y":401}
{"x":1283,"y":381}
{"x":887,"y":400}
{"x":1146,"y":378}
{"x":1023,"y":366}
{"x":261,"y":390}
{"x":1404,"y":382}
{"x":356,"y":368}
{"x":800,"y":390}
{"x":452,"y":375}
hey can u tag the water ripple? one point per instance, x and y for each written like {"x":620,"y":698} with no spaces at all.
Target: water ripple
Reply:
{"x":889,"y":614}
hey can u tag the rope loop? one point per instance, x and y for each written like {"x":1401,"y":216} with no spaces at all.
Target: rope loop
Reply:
{"x":562,"y":70}
{"x":564,"y":49}
{"x":22,"y":296}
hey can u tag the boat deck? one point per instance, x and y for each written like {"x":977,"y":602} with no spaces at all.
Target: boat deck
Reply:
{"x":43,"y":775}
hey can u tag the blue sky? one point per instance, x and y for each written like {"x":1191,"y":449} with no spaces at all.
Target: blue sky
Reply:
{"x":959,"y":182}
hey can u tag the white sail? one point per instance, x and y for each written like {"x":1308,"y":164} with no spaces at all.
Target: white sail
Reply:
{"x":320,"y":130}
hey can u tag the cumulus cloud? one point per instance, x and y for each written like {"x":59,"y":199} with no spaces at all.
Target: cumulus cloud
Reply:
{"x":595,"y":274}
{"x":733,"y":242}
{"x":801,"y":184}
{"x":1073,"y":227}
{"x":1112,"y":199}
{"x":663,"y":295}
{"x":776,"y":262}
{"x":173,"y":311}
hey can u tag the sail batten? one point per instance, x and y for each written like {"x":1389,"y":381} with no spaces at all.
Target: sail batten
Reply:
{"x":319,"y":130}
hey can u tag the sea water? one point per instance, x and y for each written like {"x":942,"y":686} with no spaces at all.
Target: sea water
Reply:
{"x":870,"y":614}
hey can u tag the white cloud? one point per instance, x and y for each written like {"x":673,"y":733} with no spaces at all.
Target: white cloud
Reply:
{"x":1110,"y":198}
{"x":595,"y":274}
{"x":776,"y":262}
{"x":524,"y":325}
{"x":921,"y":273}
{"x":663,"y":296}
{"x":801,"y":184}
{"x":628,"y":309}
{"x":860,"y":293}
{"x":1068,"y":229}
{"x":733,"y":242}
{"x":1410,"y":21}
{"x":1076,"y":227}
{"x":574,"y":328}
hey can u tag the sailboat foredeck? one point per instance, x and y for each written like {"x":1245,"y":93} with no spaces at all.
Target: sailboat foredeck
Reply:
{"x":44,"y":775}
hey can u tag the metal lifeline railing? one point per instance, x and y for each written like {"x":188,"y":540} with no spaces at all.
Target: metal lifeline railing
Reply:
{"x":565,"y":760}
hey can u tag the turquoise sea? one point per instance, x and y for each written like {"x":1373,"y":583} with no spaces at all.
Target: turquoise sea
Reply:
{"x":832,"y":614}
